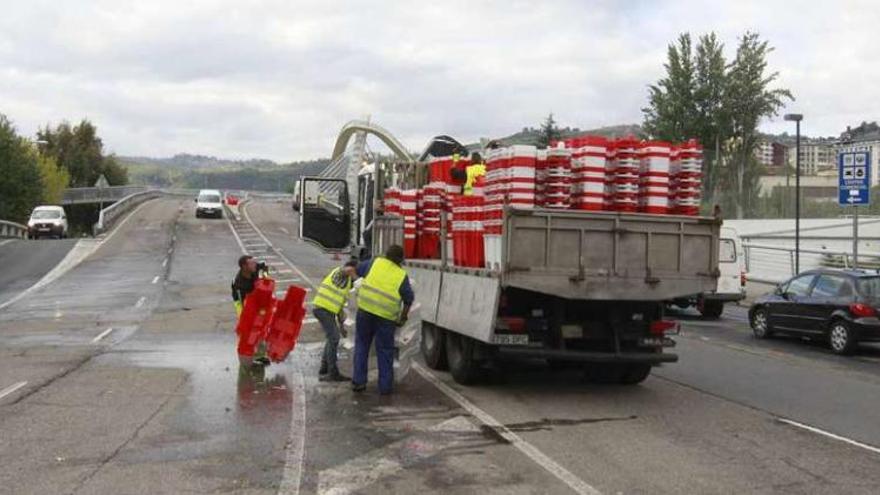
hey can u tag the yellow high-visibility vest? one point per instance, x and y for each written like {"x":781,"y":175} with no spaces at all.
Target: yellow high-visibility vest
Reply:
{"x":473,"y":172}
{"x":329,"y":296}
{"x":379,"y":293}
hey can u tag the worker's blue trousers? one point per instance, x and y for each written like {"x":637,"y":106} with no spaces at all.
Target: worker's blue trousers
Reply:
{"x":370,"y":326}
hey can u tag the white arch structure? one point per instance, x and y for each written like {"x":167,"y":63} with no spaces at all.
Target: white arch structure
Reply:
{"x":353,"y":127}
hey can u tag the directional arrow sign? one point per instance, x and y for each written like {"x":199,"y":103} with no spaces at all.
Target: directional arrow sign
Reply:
{"x":854,"y":185}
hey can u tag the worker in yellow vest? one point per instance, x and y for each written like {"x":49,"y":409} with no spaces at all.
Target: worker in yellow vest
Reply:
{"x":383,"y":299}
{"x":329,"y":304}
{"x":474,"y":171}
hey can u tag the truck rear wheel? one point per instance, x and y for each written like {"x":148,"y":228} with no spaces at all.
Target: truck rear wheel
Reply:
{"x":635,"y":373}
{"x":460,"y":355}
{"x":434,"y":346}
{"x":711,"y":309}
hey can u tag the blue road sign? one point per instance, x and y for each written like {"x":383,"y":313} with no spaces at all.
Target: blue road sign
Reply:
{"x":854,"y":169}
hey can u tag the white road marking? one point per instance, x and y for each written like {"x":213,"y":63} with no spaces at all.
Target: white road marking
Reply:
{"x":287,"y":280}
{"x":578,"y":485}
{"x":170,"y":250}
{"x":290,"y":263}
{"x":234,"y":233}
{"x":155,"y":279}
{"x":284,"y":270}
{"x":11,"y":389}
{"x":282,"y":229}
{"x":102,"y":335}
{"x":7,"y":241}
{"x":292,"y":476}
{"x":828,"y":434}
{"x":140,"y":302}
{"x":165,"y":263}
{"x":358,"y":473}
{"x":310,"y":320}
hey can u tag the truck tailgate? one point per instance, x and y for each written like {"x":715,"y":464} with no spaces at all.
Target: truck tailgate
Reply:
{"x":609,"y":255}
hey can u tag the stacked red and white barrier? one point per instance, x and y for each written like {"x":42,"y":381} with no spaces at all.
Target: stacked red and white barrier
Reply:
{"x":540,"y":177}
{"x":408,"y":208}
{"x":625,"y":185}
{"x":467,"y":229}
{"x":557,"y":182}
{"x":520,"y":176}
{"x":391,"y":201}
{"x":429,"y":232}
{"x":654,"y":177}
{"x":588,"y":172}
{"x":687,"y":170}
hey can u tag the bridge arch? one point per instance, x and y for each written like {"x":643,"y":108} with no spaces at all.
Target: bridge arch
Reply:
{"x":355,"y":126}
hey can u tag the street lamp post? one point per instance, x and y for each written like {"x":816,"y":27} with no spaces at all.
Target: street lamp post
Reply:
{"x":796,"y":118}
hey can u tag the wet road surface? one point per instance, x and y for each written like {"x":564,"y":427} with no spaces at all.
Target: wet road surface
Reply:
{"x":25,"y":262}
{"x":158,"y":404}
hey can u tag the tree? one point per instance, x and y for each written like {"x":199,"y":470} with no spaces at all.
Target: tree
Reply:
{"x":720,"y":104}
{"x":549,"y":131}
{"x":54,"y":179}
{"x":20,"y":188}
{"x":749,"y":98}
{"x":79,"y":150}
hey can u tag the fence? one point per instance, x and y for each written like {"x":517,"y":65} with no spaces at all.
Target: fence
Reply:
{"x":772,"y":264}
{"x":12,"y":229}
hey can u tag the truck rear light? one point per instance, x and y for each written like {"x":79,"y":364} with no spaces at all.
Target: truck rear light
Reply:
{"x":661,"y":327}
{"x":862,"y":310}
{"x":742,"y":279}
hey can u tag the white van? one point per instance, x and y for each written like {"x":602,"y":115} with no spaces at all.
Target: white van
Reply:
{"x":209,"y":203}
{"x":732,"y":282}
{"x":47,"y":221}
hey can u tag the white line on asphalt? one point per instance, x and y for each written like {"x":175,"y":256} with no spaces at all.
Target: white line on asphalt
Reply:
{"x":7,"y":241}
{"x":283,"y":270}
{"x":310,"y":320}
{"x":284,"y":230}
{"x":287,"y":280}
{"x":170,"y":250}
{"x":293,"y":465}
{"x":155,"y":279}
{"x":165,"y":263}
{"x":11,"y":389}
{"x":813,"y":429}
{"x":564,"y":475}
{"x":290,"y":263}
{"x":140,"y":302}
{"x":234,"y":233}
{"x":102,"y":335}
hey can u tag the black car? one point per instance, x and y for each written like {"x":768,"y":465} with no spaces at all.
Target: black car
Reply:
{"x":839,"y":306}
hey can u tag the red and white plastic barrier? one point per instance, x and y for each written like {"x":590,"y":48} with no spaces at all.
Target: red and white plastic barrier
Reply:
{"x":654,"y":177}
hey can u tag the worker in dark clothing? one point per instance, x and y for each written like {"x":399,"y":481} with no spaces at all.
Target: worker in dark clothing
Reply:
{"x":242,"y":285}
{"x":384,"y":299}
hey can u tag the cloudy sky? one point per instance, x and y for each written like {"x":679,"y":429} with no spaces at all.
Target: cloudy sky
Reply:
{"x":276,"y":79}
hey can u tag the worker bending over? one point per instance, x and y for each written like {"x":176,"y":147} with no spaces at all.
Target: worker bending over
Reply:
{"x":242,"y":285}
{"x":329,"y":310}
{"x":384,"y":299}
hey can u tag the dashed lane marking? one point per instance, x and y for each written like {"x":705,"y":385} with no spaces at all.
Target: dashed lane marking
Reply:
{"x":828,"y":434}
{"x":296,"y":444}
{"x":7,"y":241}
{"x":575,"y":483}
{"x":282,"y":229}
{"x":11,"y":389}
{"x":155,"y":280}
{"x":101,"y":335}
{"x":165,"y":263}
{"x":140,"y":302}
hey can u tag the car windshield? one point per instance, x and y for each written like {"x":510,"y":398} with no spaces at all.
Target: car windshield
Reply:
{"x":869,"y":287}
{"x":46,"y":214}
{"x":209,"y":198}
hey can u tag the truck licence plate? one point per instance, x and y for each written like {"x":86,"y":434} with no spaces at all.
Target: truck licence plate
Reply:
{"x":656,"y":342}
{"x":510,"y":339}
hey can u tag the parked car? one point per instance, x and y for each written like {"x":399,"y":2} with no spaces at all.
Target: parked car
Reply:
{"x":47,"y":221}
{"x":838,"y":306}
{"x":209,"y":203}
{"x":731,"y":283}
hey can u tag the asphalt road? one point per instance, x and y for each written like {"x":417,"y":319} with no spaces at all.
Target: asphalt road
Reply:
{"x":159,"y":405}
{"x":25,"y":262}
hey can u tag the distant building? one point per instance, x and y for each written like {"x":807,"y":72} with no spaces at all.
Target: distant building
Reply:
{"x":772,"y":155}
{"x":816,"y":156}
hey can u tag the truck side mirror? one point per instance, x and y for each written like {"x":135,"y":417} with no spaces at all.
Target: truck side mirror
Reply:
{"x":325,"y":213}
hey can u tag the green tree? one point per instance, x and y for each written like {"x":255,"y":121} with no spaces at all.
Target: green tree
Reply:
{"x":79,"y":150}
{"x":750,"y":99}
{"x":711,"y":124}
{"x":54,"y":179}
{"x":549,"y":131}
{"x":20,"y":188}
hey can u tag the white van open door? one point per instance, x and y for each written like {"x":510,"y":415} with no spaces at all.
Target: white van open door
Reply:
{"x":325,"y":213}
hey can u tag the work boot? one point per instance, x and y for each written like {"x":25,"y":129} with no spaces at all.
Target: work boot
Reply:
{"x":334,"y":376}
{"x":358,"y":388}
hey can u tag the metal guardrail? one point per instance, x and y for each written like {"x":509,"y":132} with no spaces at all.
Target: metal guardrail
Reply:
{"x":12,"y":229}
{"x":773,"y":264}
{"x":109,"y":215}
{"x":80,"y":195}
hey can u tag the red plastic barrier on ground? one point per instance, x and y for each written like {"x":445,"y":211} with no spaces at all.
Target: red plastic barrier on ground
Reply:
{"x":287,"y":324}
{"x":253,"y":325}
